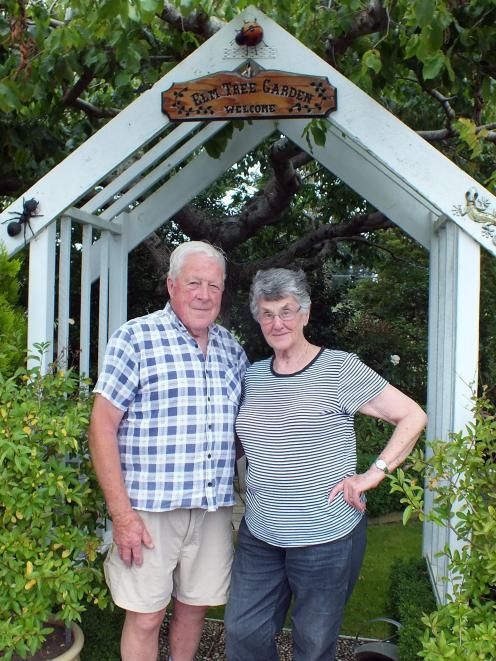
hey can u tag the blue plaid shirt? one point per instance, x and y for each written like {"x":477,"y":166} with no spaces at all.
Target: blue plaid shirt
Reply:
{"x":176,"y":437}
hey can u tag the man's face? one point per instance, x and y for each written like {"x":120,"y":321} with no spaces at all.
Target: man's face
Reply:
{"x":196,"y":292}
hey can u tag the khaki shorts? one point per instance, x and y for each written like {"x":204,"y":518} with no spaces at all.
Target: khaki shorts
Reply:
{"x":191,"y":560}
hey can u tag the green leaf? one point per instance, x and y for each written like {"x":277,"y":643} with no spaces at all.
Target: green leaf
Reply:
{"x":319,"y":136}
{"x":216,"y":146}
{"x":424,"y":11}
{"x":372,"y":60}
{"x":433,"y":65}
{"x":9,"y":99}
{"x":436,"y":34}
{"x":112,"y":8}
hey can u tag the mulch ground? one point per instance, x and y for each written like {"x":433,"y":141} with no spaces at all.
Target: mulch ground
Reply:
{"x":212,"y":644}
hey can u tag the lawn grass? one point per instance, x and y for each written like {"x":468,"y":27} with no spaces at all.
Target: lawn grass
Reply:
{"x":369,"y":599}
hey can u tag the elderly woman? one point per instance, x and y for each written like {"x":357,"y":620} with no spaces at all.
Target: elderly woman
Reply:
{"x":304,"y":532}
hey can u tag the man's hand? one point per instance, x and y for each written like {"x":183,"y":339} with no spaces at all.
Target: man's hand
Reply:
{"x":129,"y":533}
{"x":354,"y":486}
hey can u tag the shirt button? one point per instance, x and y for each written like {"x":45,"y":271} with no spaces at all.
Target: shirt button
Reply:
{"x":209,"y":456}
{"x":210,"y":426}
{"x":209,"y":484}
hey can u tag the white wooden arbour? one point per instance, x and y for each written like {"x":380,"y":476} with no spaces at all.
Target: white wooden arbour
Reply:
{"x":367,"y":147}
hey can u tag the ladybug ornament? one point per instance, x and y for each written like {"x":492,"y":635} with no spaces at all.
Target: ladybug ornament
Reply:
{"x":250,"y":35}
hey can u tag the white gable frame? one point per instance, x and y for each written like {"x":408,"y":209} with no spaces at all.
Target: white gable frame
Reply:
{"x":367,"y":147}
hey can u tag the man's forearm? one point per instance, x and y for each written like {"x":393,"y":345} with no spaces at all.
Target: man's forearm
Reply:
{"x":107,"y":465}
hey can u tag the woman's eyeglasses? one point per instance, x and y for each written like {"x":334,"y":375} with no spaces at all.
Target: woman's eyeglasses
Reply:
{"x":286,"y":314}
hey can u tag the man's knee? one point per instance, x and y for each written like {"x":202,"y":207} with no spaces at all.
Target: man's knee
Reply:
{"x":145,"y":623}
{"x":187,"y":612}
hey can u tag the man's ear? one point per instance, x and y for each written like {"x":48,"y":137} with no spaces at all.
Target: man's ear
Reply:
{"x":170,"y":285}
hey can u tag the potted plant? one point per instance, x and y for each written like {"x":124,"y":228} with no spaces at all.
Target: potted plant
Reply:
{"x":50,"y":509}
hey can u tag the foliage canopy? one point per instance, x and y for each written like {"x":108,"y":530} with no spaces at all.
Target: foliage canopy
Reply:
{"x":66,"y":67}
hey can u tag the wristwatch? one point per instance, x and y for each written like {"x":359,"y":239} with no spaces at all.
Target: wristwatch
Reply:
{"x":381,"y":465}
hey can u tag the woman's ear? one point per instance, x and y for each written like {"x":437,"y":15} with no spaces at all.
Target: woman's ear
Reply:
{"x":308,"y":316}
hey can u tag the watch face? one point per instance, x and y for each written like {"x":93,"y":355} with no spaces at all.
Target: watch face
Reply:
{"x":381,"y":464}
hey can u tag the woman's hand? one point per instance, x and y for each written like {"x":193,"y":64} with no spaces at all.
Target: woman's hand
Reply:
{"x":354,"y":487}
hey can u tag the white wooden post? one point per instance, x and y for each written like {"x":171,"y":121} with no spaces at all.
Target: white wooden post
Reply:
{"x":64,"y":292}
{"x":84,"y":337}
{"x":118,"y":259}
{"x":41,"y":295}
{"x":103,"y":297}
{"x":453,"y":363}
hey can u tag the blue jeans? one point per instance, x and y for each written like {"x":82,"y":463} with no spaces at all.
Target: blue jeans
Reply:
{"x":265,"y":578}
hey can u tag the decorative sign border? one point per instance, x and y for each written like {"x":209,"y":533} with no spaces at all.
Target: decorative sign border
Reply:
{"x":265,"y":95}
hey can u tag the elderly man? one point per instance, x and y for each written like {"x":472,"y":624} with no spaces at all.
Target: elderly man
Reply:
{"x":162,"y":443}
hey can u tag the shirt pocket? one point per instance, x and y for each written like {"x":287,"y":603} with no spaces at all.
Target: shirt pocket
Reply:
{"x":231,"y":385}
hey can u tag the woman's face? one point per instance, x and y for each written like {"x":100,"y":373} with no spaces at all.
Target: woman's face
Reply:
{"x":283,"y":333}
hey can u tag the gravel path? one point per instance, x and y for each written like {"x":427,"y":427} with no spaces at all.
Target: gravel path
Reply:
{"x":212,"y":644}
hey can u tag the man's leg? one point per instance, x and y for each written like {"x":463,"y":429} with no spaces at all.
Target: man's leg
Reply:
{"x":185,"y":630}
{"x":139,"y":640}
{"x":201,"y":578}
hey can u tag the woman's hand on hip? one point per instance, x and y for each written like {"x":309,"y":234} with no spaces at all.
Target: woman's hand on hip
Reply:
{"x":354,"y":487}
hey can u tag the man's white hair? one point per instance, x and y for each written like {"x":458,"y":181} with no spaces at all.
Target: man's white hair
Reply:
{"x":180,"y":253}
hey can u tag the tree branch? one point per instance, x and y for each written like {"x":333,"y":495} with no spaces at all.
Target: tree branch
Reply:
{"x":315,"y":246}
{"x":71,"y":96}
{"x":159,"y":252}
{"x":197,"y":22}
{"x":373,"y":19}
{"x":266,"y":206}
{"x":196,"y":224}
{"x":444,"y":102}
{"x":92,"y":110}
{"x":435,"y":135}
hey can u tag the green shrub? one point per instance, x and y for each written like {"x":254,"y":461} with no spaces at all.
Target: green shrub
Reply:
{"x":50,"y":508}
{"x":410,"y":597}
{"x":371,"y":434}
{"x":102,"y":633}
{"x":462,"y":476}
{"x":13,"y":327}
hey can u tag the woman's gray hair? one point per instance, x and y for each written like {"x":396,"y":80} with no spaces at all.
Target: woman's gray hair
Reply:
{"x":275,"y":284}
{"x":182,"y":251}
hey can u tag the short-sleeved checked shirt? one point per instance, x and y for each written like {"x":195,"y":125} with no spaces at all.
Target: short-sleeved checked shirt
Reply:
{"x":176,"y":437}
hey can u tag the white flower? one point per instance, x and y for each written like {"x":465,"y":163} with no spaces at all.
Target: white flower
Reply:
{"x":394,"y":359}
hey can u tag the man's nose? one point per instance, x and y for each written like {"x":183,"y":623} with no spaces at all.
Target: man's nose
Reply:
{"x":277,"y":323}
{"x":203,"y":291}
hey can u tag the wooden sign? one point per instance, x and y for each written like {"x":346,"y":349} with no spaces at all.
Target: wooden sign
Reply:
{"x":266,"y":95}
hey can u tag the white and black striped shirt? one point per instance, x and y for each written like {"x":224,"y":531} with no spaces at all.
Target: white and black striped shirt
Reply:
{"x":298,"y":435}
